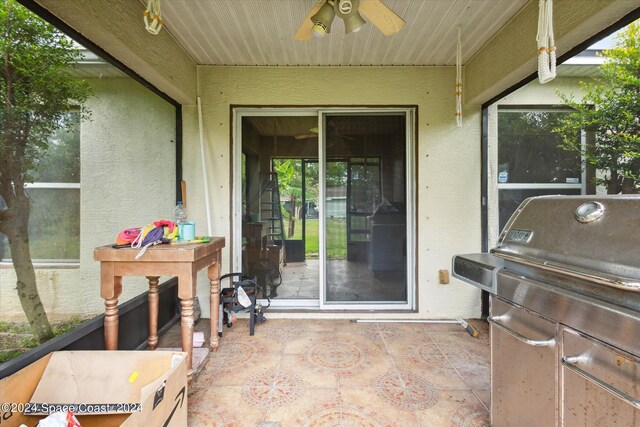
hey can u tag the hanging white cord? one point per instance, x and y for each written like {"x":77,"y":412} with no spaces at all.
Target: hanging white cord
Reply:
{"x":546,"y":42}
{"x":459,"y":81}
{"x":137,"y":244}
{"x":145,"y":247}
{"x":153,"y":17}
{"x":204,"y":169}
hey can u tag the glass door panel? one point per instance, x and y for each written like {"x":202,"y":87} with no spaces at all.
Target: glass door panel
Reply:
{"x":365,"y":208}
{"x":278,"y":187}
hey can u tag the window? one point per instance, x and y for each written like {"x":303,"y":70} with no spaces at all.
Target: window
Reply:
{"x":54,"y":224}
{"x":530,"y":159}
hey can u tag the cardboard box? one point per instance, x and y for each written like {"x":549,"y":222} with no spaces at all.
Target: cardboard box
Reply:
{"x":129,"y":388}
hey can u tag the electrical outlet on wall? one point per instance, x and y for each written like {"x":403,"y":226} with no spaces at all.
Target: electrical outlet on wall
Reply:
{"x":443,"y":277}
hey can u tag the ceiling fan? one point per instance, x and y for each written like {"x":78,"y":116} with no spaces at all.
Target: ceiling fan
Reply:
{"x":333,"y":133}
{"x":313,"y":133}
{"x":318,"y":22}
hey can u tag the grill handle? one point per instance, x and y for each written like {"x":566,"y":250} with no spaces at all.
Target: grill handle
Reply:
{"x":626,"y":284}
{"x":536,"y":343}
{"x":570,"y":362}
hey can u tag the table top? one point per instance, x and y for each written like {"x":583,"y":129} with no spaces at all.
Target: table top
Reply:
{"x":166,"y":252}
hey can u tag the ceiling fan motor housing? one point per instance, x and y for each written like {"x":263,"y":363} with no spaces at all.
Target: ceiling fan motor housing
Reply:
{"x":345,"y":7}
{"x":318,"y":22}
{"x":347,"y":10}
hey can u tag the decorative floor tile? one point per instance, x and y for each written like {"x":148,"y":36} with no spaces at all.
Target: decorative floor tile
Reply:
{"x":222,"y":406}
{"x":317,"y":407}
{"x":401,"y":327}
{"x":338,"y":373}
{"x":314,"y":375}
{"x":312,"y":325}
{"x":409,"y":391}
{"x":231,"y":334}
{"x":455,"y":408}
{"x":266,"y":390}
{"x":460,"y":341}
{"x":239,"y":367}
{"x":369,"y":370}
{"x":434,"y":367}
{"x":349,"y":327}
{"x":476,"y":376}
{"x":410,"y":344}
{"x":380,"y":408}
{"x":264,"y":343}
{"x":341,"y":357}
{"x":301,"y":343}
{"x":370,"y":344}
{"x":484,"y":396}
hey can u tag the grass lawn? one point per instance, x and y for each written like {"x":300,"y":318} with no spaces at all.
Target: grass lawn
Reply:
{"x":16,"y":338}
{"x":336,"y":242}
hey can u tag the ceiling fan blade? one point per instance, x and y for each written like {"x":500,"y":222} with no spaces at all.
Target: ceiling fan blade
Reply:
{"x":306,"y":136}
{"x":381,"y":16}
{"x":304,"y":32}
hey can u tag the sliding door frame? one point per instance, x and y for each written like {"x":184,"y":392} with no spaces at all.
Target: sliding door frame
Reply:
{"x":410,"y":177}
{"x":238,"y":113}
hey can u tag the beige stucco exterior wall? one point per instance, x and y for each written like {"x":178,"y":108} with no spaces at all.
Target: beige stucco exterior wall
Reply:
{"x":448,"y":162}
{"x":533,"y":93}
{"x":127,"y":179}
{"x":116,"y":26}
{"x":510,"y":55}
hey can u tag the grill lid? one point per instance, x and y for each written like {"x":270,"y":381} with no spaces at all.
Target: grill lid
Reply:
{"x":596,"y":238}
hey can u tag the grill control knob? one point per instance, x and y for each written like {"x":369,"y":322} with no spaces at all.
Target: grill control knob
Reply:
{"x":589,"y":212}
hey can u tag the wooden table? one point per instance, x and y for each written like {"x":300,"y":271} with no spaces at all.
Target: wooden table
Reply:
{"x":181,"y":260}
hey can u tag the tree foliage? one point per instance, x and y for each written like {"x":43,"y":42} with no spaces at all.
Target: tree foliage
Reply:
{"x":37,"y":93}
{"x":610,"y":110}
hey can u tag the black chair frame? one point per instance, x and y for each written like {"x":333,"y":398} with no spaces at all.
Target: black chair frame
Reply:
{"x":229,"y":300}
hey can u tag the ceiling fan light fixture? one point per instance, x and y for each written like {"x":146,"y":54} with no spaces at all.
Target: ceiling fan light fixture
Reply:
{"x":353,"y":23}
{"x":319,"y":30}
{"x":322,"y":20}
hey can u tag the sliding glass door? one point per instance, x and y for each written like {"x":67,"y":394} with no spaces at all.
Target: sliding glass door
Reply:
{"x":322,"y":206}
{"x":365,"y":200}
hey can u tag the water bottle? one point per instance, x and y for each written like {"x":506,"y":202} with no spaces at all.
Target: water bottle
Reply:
{"x":180,"y":213}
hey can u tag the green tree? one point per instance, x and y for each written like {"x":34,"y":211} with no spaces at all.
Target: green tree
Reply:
{"x":37,"y":92}
{"x":611,"y":111}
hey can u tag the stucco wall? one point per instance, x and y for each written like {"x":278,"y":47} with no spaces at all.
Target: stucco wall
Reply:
{"x":117,"y":27}
{"x":127,"y":179}
{"x":510,"y":55}
{"x":533,"y":93}
{"x":448,"y":171}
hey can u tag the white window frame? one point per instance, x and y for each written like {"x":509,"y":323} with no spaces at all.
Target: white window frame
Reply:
{"x":493,"y":178}
{"x":49,"y":263}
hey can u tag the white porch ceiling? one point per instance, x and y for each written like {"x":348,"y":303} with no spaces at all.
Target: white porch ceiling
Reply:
{"x":260,"y":32}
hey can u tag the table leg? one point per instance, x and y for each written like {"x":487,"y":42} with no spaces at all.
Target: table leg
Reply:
{"x":111,"y":316}
{"x":213,"y":273}
{"x":152,"y":341}
{"x":186,"y":322}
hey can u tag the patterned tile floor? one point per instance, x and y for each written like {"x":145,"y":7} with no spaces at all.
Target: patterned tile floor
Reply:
{"x":337,"y":373}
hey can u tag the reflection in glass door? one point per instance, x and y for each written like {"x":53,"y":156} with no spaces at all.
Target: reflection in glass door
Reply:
{"x":365,"y":215}
{"x":279,"y":199}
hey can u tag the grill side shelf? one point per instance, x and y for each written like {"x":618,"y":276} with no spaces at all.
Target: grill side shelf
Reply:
{"x":478,"y":269}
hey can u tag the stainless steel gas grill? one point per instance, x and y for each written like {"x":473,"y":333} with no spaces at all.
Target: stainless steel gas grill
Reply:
{"x":564,"y":280}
